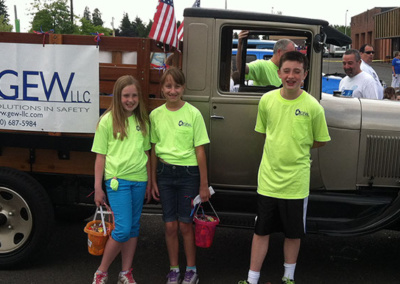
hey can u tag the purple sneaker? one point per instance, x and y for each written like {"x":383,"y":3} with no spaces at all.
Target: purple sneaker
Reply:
{"x":191,"y":277}
{"x":173,"y":277}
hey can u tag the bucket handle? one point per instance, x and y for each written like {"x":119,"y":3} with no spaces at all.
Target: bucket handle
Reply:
{"x":100,"y":209}
{"x":199,"y":205}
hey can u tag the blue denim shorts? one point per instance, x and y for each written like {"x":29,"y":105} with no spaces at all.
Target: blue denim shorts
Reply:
{"x":127,"y":204}
{"x":178,"y":186}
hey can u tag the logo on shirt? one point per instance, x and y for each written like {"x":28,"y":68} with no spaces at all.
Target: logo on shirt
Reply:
{"x":138,"y":128}
{"x":299,"y":112}
{"x":184,"y":124}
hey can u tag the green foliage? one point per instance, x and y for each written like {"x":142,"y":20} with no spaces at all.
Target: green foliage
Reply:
{"x":56,"y":15}
{"x":126,"y":27}
{"x":86,"y":14}
{"x":140,"y":28}
{"x":3,"y":11}
{"x":87,"y":28}
{"x":343,"y":29}
{"x":148,"y":28}
{"x":4,"y":26}
{"x":53,"y":16}
{"x":136,"y":28}
{"x":4,"y":20}
{"x":96,"y":18}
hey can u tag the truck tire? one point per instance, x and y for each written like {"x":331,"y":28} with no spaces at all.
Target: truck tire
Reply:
{"x":26,"y":217}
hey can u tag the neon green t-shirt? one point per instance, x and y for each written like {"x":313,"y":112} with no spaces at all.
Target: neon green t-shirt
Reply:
{"x":177,"y":133}
{"x":291,"y":127}
{"x":263,"y":73}
{"x":125,"y":159}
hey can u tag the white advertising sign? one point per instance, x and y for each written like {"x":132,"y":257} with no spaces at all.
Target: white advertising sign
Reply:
{"x":51,"y":88}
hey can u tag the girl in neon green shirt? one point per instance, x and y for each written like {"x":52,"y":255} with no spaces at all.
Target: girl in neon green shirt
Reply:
{"x":122,"y":145}
{"x":179,"y":171}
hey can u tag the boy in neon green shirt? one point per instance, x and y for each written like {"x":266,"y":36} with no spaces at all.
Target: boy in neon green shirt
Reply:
{"x":293,"y":122}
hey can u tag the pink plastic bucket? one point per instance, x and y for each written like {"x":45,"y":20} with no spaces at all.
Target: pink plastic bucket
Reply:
{"x":204,"y":230}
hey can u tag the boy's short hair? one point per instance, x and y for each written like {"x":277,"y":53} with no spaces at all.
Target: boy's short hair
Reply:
{"x":294,"y":56}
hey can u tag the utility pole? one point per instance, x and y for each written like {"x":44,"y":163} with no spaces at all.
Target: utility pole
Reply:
{"x":72,"y":11}
{"x":345,"y":22}
{"x":112,"y":24}
{"x":226,"y":4}
{"x":17,"y":24}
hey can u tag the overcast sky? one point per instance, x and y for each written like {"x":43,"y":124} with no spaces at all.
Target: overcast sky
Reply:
{"x":332,"y":11}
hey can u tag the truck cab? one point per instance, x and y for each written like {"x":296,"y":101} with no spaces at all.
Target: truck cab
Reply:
{"x":354,"y":179}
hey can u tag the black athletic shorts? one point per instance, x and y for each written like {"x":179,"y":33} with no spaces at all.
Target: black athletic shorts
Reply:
{"x":281,"y":215}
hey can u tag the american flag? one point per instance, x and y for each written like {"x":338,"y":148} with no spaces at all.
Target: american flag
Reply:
{"x":164,"y":25}
{"x":196,"y":4}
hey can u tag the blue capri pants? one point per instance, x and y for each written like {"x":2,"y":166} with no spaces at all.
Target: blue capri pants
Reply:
{"x":127,"y":204}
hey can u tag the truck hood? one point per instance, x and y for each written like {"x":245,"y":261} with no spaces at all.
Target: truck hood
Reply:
{"x":357,"y":114}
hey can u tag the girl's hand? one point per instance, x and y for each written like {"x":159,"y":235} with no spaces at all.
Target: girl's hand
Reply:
{"x":147,"y":195}
{"x":154,"y":191}
{"x":99,"y":197}
{"x":204,"y":193}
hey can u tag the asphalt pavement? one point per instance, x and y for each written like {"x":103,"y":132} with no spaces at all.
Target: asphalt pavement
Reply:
{"x":368,"y":259}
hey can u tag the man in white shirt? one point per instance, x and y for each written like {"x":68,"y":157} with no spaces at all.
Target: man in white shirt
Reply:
{"x":357,"y":83}
{"x":367,"y":55}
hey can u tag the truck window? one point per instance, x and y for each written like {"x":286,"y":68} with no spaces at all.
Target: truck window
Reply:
{"x":252,"y":52}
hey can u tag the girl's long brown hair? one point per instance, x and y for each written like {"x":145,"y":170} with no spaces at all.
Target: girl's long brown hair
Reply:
{"x":120,"y":121}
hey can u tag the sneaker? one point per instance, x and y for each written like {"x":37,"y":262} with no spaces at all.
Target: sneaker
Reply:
{"x":286,"y":280}
{"x":100,"y":278}
{"x":191,"y":277}
{"x":126,"y":278}
{"x":173,"y":277}
{"x":243,"y":282}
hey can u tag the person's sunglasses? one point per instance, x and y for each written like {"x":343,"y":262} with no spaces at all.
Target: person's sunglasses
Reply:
{"x":370,"y":52}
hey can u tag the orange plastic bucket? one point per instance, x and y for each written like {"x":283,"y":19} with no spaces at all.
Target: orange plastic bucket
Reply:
{"x":97,"y":240}
{"x":99,"y":231}
{"x":204,"y":230}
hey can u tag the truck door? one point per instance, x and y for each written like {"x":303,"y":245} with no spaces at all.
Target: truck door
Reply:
{"x":236,"y":149}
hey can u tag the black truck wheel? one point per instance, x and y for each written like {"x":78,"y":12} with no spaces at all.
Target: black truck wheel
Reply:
{"x":26,"y":218}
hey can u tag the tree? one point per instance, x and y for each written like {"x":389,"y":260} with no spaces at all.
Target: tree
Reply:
{"x":343,"y":29}
{"x":86,"y":14}
{"x":87,"y":28}
{"x":3,"y":11}
{"x":96,"y":18}
{"x":4,"y":26}
{"x":140,"y":28}
{"x":4,"y":20}
{"x":42,"y":21}
{"x":52,"y":16}
{"x":126,"y":27}
{"x":148,"y":27}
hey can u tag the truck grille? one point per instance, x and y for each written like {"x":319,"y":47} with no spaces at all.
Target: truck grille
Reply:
{"x":382,"y":157}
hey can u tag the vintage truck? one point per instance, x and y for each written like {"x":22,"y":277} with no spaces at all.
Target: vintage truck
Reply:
{"x":355,"y":178}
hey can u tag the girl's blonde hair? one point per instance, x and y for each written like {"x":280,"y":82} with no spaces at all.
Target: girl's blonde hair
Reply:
{"x":120,"y":121}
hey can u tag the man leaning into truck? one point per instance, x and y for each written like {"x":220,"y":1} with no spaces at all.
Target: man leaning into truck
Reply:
{"x":293,"y":122}
{"x":264,"y":72}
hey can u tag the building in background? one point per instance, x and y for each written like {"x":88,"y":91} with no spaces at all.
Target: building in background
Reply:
{"x":380,"y":27}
